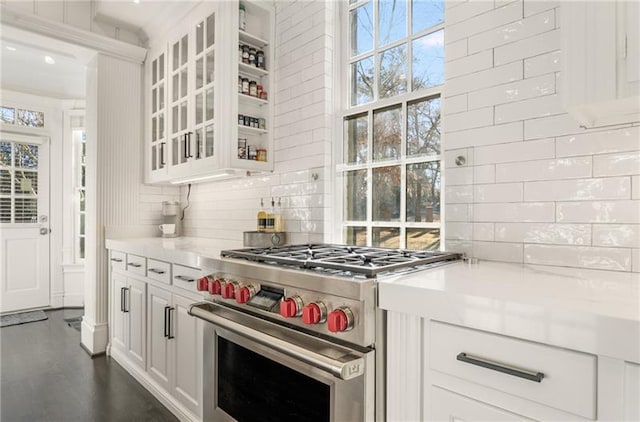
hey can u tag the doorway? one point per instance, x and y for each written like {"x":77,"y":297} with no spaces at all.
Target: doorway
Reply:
{"x":24,"y":222}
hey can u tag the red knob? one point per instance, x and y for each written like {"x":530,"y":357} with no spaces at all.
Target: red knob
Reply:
{"x":215,"y":286}
{"x":229,"y":290}
{"x":340,"y":320}
{"x":314,"y":313}
{"x":203,"y":284}
{"x":290,"y":307}
{"x":245,"y":294}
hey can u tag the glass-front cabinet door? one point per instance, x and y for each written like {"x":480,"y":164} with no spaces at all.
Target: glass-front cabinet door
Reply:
{"x":179,"y":112}
{"x":156,"y":123}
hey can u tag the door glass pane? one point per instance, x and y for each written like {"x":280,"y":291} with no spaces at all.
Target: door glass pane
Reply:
{"x":386,"y":194}
{"x":392,"y":18}
{"x":183,"y":83}
{"x":184,"y":49}
{"x":199,"y":72}
{"x":385,"y":237}
{"x":355,"y":195}
{"x":183,"y":116}
{"x":7,"y":115}
{"x":154,"y":100}
{"x":176,"y":87}
{"x":176,"y":56}
{"x":5,"y":182}
{"x":425,"y":239}
{"x":5,"y":210}
{"x":175,"y":151}
{"x":154,"y":133}
{"x":423,"y":192}
{"x":426,"y":13}
{"x":26,"y":182}
{"x":161,"y":97}
{"x":26,"y":210}
{"x":199,"y":142}
{"x":5,"y":153}
{"x":387,"y":134}
{"x":356,"y":236}
{"x":199,"y":110}
{"x":209,"y":142}
{"x":423,"y":127}
{"x":428,"y":60}
{"x":356,"y":145}
{"x":210,"y":66}
{"x":393,"y":72}
{"x":199,"y":37}
{"x":161,"y":67}
{"x":361,"y":28}
{"x":161,"y":126}
{"x":30,"y":118}
{"x":362,"y":81}
{"x":211,"y":29}
{"x":26,"y":156}
{"x":175,"y":126}
{"x":154,"y":72}
{"x":209,"y":103}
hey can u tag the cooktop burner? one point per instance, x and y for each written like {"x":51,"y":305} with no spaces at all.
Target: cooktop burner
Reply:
{"x":343,"y":259}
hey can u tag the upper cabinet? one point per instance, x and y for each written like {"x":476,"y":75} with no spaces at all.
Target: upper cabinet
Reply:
{"x":601,"y":53}
{"x":208,"y":100}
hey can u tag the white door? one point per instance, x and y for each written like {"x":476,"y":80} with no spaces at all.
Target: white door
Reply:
{"x":158,"y":345}
{"x":137,"y":314}
{"x":188,"y":335}
{"x":24,"y":222}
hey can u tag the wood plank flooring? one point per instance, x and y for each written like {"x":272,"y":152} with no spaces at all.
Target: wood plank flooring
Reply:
{"x":46,"y":376}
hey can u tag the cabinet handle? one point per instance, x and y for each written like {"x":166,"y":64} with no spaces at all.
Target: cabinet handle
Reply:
{"x":198,"y":155}
{"x":122,"y":299}
{"x":185,"y":278}
{"x":188,"y":139}
{"x":169,"y":331}
{"x":135,"y":265}
{"x":124,"y":308}
{"x":520,"y":373}
{"x":116,"y":259}
{"x":153,"y":270}
{"x":162,"y":162}
{"x":166,"y":321}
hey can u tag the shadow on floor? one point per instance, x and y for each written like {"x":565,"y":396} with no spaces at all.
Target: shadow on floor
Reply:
{"x":46,"y":376}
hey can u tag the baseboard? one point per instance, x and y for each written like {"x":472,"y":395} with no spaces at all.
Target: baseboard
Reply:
{"x":73,"y":300}
{"x":56,"y":300}
{"x":94,"y":337}
{"x":158,"y":392}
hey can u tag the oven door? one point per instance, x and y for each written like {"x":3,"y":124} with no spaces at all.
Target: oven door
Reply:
{"x":255,"y":370}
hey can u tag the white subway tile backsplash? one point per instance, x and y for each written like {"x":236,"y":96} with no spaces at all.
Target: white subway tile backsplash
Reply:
{"x":484,"y":174}
{"x":456,"y":50}
{"x":599,"y":212}
{"x":462,"y":11}
{"x":627,"y":163}
{"x":563,"y":234}
{"x":635,"y":260}
{"x":490,"y":135}
{"x":563,"y":168}
{"x":616,"y":235}
{"x":635,"y":187}
{"x":468,"y":64}
{"x":495,"y":251}
{"x":529,"y":47}
{"x":485,"y":78}
{"x":468,"y":120}
{"x":459,"y":176}
{"x":618,"y":140}
{"x":459,"y":194}
{"x":546,"y":127}
{"x":483,"y":232}
{"x":450,"y":156}
{"x":459,"y":246}
{"x":512,"y":92}
{"x":514,"y":212}
{"x":501,"y":192}
{"x":614,"y":259}
{"x":543,"y":64}
{"x":458,"y":212}
{"x":483,"y":21}
{"x":538,"y":6}
{"x":514,"y":31}
{"x":515,"y":152}
{"x":455,"y":104}
{"x":578,"y":189}
{"x":459,"y":231}
{"x":528,"y":109}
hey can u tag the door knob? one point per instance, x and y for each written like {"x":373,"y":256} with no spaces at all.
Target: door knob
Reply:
{"x":44,"y":231}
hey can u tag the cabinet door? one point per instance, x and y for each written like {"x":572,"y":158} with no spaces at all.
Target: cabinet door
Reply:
{"x":188,"y":334}
{"x":156,"y":121}
{"x":632,"y":392}
{"x":179,"y":109}
{"x":136,"y":305}
{"x":158,"y":343}
{"x":119,"y":320}
{"x":449,"y":406}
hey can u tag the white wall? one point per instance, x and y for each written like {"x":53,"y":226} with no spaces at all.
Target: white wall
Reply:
{"x":303,"y":138}
{"x":536,"y":187}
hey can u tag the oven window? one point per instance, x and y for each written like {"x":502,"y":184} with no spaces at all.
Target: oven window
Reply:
{"x":252,"y":388}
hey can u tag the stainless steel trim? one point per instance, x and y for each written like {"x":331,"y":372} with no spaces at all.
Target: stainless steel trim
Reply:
{"x":348,"y":368}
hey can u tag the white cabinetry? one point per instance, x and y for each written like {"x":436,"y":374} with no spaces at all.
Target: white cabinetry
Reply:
{"x":601,"y":53}
{"x":128,"y":317}
{"x":449,"y":406}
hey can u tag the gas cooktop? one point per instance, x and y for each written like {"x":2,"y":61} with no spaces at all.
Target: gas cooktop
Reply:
{"x":343,"y":259}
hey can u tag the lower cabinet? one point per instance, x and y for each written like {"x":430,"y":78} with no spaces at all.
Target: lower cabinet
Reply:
{"x":129,"y":317}
{"x":449,"y":406}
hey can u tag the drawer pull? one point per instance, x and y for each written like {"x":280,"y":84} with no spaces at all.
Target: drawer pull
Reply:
{"x":135,"y":265}
{"x":520,"y":373}
{"x":185,"y":278}
{"x":153,"y":270}
{"x":116,"y":259}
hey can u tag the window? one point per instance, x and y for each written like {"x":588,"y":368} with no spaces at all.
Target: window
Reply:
{"x":21,"y":117}
{"x":390,"y":171}
{"x":79,"y":138}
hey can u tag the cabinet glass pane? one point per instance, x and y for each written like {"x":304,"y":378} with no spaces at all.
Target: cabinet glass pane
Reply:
{"x":184,"y":49}
{"x":154,"y":72}
{"x":210,"y":104}
{"x":385,"y":237}
{"x":210,"y":67}
{"x":387,"y":134}
{"x":199,"y":73}
{"x":161,"y":67}
{"x":210,"y":29}
{"x":175,"y":112}
{"x":183,"y":83}
{"x":154,"y":132}
{"x":183,"y":149}
{"x":199,"y":37}
{"x":423,"y":192}
{"x":209,"y":142}
{"x":175,"y":151}
{"x":161,"y":97}
{"x":154,"y":100}
{"x":176,"y":56}
{"x":176,"y":87}
{"x":199,"y":108}
{"x":199,"y":143}
{"x":386,"y":193}
{"x":154,"y":165}
{"x":183,"y":115}
{"x":161,"y":126}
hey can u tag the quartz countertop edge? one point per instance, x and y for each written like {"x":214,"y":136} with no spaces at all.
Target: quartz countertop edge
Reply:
{"x":588,"y":310}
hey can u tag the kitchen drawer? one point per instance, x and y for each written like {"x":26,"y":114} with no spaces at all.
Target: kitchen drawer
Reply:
{"x":186,"y":277}
{"x":137,"y":264}
{"x":118,"y":260}
{"x":449,"y":406}
{"x":569,"y":378}
{"x":159,"y":271}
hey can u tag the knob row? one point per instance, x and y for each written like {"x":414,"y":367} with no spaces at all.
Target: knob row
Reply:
{"x":227,"y":289}
{"x":338,"y":320}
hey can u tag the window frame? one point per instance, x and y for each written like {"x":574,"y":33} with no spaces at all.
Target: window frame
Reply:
{"x":345,"y":110}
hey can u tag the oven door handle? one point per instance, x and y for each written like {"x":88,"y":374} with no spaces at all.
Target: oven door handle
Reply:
{"x":352,"y":368}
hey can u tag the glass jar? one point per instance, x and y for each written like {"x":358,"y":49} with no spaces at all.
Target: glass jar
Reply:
{"x":261,"y":154}
{"x":252,"y":56}
{"x":245,"y":86}
{"x":245,"y":54}
{"x":253,"y":88}
{"x":242,"y":23}
{"x":260,"y":59}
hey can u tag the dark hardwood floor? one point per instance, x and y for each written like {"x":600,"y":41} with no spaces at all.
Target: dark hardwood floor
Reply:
{"x":46,"y":376}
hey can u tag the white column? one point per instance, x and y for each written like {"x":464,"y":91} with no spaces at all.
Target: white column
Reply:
{"x":114,"y":176}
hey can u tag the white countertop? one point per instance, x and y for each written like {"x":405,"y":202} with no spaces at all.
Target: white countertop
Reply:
{"x":589,"y":310}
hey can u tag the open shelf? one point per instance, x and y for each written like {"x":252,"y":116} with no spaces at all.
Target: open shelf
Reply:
{"x":252,"y":39}
{"x":248,"y":99}
{"x":247,"y":69}
{"x":249,"y":129}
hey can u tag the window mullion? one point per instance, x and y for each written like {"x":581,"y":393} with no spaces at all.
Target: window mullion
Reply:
{"x":409,"y":47}
{"x":376,"y":60}
{"x":403,"y":174}
{"x":369,"y":177}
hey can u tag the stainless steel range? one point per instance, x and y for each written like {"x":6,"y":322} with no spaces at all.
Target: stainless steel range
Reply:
{"x":295,"y":331}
